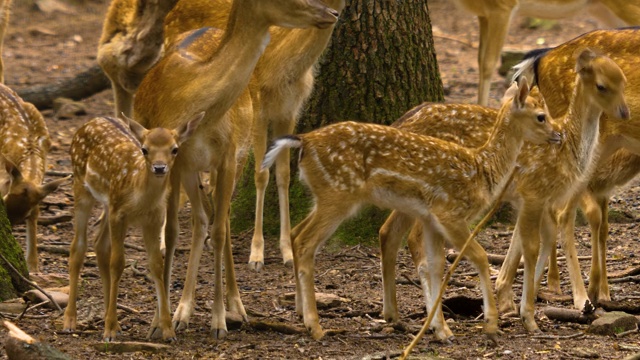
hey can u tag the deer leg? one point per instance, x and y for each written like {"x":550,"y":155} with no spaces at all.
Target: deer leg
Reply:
{"x":102,"y":246}
{"x":506,"y":276}
{"x":261,"y":178}
{"x":458,"y":233}
{"x":123,"y":99}
{"x":82,"y":210}
{"x":325,"y":220}
{"x":224,"y":189}
{"x":118,"y":230}
{"x":233,"y":293}
{"x":161,"y":325}
{"x":199,"y":219}
{"x":548,"y":233}
{"x":390,"y":236}
{"x":566,"y":221}
{"x":553,"y":273}
{"x":427,"y":249}
{"x":597,"y":210}
{"x":529,"y":222}
{"x":493,"y":31}
{"x":294,"y":234}
{"x":283,"y":179}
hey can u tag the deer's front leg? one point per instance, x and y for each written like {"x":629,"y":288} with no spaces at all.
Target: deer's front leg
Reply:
{"x":493,"y":31}
{"x":529,"y":223}
{"x":283,"y":179}
{"x":261,"y":179}
{"x":161,"y":325}
{"x":234,"y":302}
{"x":507,"y":274}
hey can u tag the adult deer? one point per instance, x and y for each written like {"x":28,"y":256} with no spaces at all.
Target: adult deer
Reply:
{"x":208,"y":71}
{"x":494,"y":17}
{"x":548,"y":178}
{"x":442,"y":184}
{"x":126,"y":168}
{"x":24,"y":145}
{"x":282,"y":81}
{"x":549,"y":65}
{"x":131,"y":43}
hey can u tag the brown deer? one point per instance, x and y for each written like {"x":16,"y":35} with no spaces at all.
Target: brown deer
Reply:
{"x":548,"y":66}
{"x":131,"y":43}
{"x":279,"y":86}
{"x":24,"y":146}
{"x":125,"y":168}
{"x":494,"y":17}
{"x":5,"y":12}
{"x":441,"y":184}
{"x":208,"y":71}
{"x":549,"y":176}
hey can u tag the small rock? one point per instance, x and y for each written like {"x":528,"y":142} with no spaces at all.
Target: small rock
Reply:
{"x":612,"y":323}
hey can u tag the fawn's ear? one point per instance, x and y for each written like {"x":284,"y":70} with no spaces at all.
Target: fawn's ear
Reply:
{"x":523,"y":91}
{"x":51,"y":186}
{"x":510,"y":93}
{"x":138,"y":130}
{"x":584,"y":59}
{"x":186,"y":130}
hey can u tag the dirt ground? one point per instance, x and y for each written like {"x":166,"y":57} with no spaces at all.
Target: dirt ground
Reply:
{"x":41,"y":48}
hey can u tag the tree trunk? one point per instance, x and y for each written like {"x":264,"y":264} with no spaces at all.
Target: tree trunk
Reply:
{"x":381,"y":62}
{"x":10,"y":283}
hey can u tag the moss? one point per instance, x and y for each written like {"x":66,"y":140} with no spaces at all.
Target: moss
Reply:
{"x":10,"y":283}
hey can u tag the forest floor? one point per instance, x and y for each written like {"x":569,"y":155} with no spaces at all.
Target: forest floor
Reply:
{"x":41,"y":48}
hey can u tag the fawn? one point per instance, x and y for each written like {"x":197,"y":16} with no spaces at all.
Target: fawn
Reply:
{"x":441,"y":184}
{"x":126,"y":169}
{"x":548,"y":177}
{"x":549,"y":67}
{"x":23,"y":150}
{"x":495,"y":16}
{"x":282,"y":81}
{"x":131,"y":43}
{"x":208,"y":71}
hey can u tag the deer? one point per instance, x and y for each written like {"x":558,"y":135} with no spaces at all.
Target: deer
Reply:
{"x":349,"y":164}
{"x":24,"y":147}
{"x":494,"y":17}
{"x":5,"y":14}
{"x":126,"y":168}
{"x":548,"y":66}
{"x":281,"y":83}
{"x":548,"y":177}
{"x":208,"y":70}
{"x":130,"y":44}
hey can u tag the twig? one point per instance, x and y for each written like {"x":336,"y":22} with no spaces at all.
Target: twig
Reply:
{"x":31,"y":283}
{"x":27,"y":308}
{"x":411,"y":281}
{"x":438,"y":300}
{"x":57,"y":219}
{"x":128,"y":309}
{"x":628,"y":332}
{"x":447,"y":37}
{"x":558,"y":337}
{"x":57,"y":173}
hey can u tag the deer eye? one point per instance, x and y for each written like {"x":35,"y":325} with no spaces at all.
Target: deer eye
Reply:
{"x":145,"y":152}
{"x":542,"y":118}
{"x":174,"y":152}
{"x":601,"y":88}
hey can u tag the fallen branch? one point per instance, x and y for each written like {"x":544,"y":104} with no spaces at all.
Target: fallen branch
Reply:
{"x":20,"y":346}
{"x":277,"y":327}
{"x":568,"y":315}
{"x":629,"y":308}
{"x":130,"y":346}
{"x":56,"y":219}
{"x":558,"y":337}
{"x":83,"y":85}
{"x":635,"y":278}
{"x":31,"y":283}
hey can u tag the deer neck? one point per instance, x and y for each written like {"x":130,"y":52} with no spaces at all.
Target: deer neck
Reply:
{"x":496,"y":159}
{"x":582,"y":126}
{"x":152,"y":188}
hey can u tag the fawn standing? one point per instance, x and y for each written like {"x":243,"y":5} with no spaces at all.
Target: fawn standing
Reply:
{"x":126,"y":169}
{"x":442,"y":184}
{"x":548,"y":177}
{"x":208,"y":71}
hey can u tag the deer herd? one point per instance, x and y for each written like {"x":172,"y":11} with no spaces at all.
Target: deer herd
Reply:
{"x":199,"y":84}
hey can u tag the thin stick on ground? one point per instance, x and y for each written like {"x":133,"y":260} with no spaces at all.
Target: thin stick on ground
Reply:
{"x":475,"y":232}
{"x":33,"y":284}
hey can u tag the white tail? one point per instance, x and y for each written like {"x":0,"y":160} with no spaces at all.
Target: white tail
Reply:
{"x":126,"y":168}
{"x":350,"y":164}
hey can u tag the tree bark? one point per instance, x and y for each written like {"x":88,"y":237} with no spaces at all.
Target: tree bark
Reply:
{"x":11,"y":285}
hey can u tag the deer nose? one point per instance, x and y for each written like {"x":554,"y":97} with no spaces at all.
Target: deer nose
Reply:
{"x":623,"y":112}
{"x":159,"y":169}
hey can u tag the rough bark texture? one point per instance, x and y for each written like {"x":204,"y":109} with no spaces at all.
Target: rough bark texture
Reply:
{"x":381,"y":62}
{"x":10,"y":284}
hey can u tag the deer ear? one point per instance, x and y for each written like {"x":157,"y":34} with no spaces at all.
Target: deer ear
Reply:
{"x":523,"y":91}
{"x":186,"y":130}
{"x":51,"y":186}
{"x":138,"y":130}
{"x":584,"y":59}
{"x":510,"y":93}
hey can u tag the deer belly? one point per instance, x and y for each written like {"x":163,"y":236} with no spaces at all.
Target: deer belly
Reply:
{"x":97,"y":185}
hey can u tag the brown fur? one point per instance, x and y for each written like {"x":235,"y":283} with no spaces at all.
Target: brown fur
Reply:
{"x":126,"y":168}
{"x":349,"y":164}
{"x":494,"y":17}
{"x":209,"y":72}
